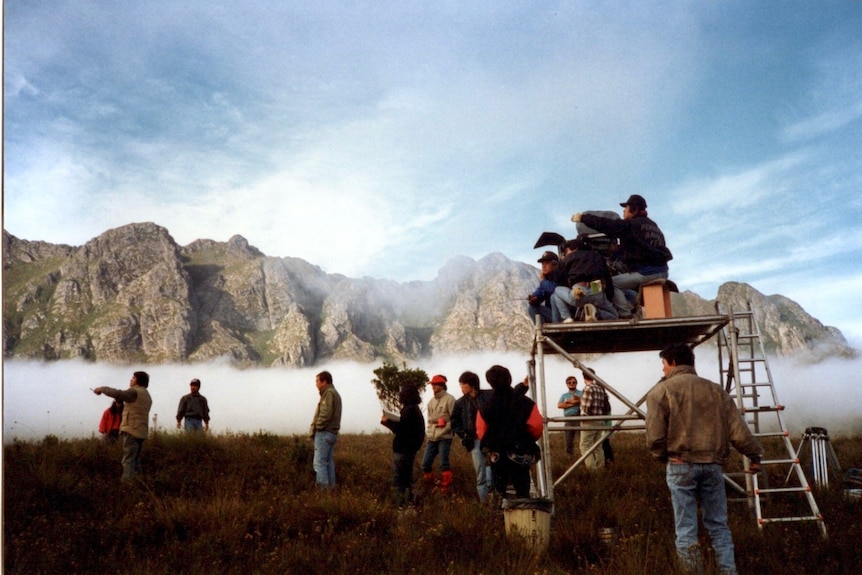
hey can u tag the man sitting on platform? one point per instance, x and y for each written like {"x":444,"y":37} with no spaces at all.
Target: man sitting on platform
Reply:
{"x":587,"y":287}
{"x":642,"y":255}
{"x":540,"y":299}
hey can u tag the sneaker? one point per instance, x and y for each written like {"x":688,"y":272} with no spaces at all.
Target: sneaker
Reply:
{"x":568,"y":320}
{"x":589,"y":312}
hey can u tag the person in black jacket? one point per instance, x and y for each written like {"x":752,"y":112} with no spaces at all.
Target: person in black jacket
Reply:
{"x":194,"y":409}
{"x":642,"y":255}
{"x":509,"y":424}
{"x":464,"y":426}
{"x":409,"y":431}
{"x":587,"y":283}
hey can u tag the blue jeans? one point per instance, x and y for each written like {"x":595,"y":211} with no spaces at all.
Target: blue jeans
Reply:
{"x":630,"y":281}
{"x":484,"y":482}
{"x":542,"y":310}
{"x":443,"y":446}
{"x":324,"y":463}
{"x":193,"y":424}
{"x":563,"y":301}
{"x":689,"y":482}
{"x":131,"y":456}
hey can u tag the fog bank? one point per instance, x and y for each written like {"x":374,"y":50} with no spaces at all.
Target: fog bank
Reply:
{"x":41,"y":398}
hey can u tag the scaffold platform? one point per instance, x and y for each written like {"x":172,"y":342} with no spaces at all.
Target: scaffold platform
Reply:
{"x":616,"y":336}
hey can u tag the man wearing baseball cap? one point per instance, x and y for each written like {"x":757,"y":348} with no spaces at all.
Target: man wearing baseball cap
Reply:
{"x":540,"y":299}
{"x":642,"y":255}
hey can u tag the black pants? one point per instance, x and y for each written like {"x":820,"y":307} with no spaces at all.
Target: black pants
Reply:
{"x":505,"y":470}
{"x":402,"y":469}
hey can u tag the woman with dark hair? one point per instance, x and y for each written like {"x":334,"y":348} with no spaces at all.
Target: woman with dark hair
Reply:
{"x":409,"y":430}
{"x":109,"y":426}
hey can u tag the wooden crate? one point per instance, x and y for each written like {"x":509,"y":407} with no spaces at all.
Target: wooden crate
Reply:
{"x":655,"y":300}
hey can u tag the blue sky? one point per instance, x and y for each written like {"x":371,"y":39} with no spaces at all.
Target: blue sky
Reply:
{"x":384,"y":138}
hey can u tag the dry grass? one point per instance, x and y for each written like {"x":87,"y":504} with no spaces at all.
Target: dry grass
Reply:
{"x":247,"y":504}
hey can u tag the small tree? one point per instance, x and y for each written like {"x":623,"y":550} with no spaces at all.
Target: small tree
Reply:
{"x":389,"y":381}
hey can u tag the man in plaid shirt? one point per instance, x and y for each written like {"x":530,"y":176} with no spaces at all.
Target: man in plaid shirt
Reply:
{"x":594,"y":401}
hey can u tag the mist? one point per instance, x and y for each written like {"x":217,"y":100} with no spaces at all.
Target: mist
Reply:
{"x":55,"y":398}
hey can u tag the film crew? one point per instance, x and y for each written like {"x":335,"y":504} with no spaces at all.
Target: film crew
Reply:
{"x":570,"y":403}
{"x":508,"y":425}
{"x":324,"y":430}
{"x":109,"y":425}
{"x":691,"y":423}
{"x":586,"y":284}
{"x":607,"y":448}
{"x":134,"y":426}
{"x":409,"y":430}
{"x":540,"y":299}
{"x":594,"y":401}
{"x":464,"y":426}
{"x":438,"y":435}
{"x":194,"y":408}
{"x":642,"y":255}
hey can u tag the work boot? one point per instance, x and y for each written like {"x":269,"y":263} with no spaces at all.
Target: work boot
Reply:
{"x":446,"y":482}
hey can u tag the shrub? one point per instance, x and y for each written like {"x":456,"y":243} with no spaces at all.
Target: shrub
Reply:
{"x":388,"y":382}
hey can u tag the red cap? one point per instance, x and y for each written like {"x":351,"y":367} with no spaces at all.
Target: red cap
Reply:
{"x":439,"y":380}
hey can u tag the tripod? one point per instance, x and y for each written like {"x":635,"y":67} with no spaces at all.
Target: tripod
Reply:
{"x":823,"y":458}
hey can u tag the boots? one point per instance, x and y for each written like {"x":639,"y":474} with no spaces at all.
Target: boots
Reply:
{"x":428,"y":478}
{"x":446,"y":482}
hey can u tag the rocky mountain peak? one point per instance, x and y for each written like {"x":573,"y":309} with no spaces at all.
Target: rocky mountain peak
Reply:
{"x":133,"y":295}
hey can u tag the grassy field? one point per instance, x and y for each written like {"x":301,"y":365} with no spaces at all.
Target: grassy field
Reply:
{"x":247,"y":504}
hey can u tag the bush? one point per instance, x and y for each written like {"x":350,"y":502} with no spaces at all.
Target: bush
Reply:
{"x":389,"y":380}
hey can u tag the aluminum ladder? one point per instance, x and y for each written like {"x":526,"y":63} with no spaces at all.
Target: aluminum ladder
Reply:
{"x":746,"y":376}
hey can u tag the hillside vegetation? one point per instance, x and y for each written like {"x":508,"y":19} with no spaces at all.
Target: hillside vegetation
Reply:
{"x":246,"y":504}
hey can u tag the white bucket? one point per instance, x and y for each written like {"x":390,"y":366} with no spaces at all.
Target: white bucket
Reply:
{"x":530,"y":521}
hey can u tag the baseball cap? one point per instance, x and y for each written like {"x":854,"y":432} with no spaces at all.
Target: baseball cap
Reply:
{"x":439,"y":380}
{"x":635,"y":200}
{"x":549,"y":257}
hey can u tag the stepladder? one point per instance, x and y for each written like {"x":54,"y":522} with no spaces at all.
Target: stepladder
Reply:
{"x":746,"y":376}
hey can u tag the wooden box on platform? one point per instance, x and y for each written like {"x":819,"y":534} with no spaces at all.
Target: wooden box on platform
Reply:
{"x":655,"y":300}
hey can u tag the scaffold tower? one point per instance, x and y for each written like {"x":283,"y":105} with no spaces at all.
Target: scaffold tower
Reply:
{"x":572,"y":340}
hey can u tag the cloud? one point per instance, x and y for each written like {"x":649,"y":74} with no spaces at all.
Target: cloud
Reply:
{"x":823,"y":123}
{"x":737,"y":191}
{"x":834,"y":101}
{"x":387,"y":139}
{"x":55,"y":398}
{"x":16,"y":85}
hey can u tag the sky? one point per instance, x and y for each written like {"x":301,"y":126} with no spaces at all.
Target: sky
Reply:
{"x":384,"y":138}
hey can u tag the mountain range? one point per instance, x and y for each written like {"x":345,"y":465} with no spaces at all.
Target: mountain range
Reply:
{"x":133,"y":295}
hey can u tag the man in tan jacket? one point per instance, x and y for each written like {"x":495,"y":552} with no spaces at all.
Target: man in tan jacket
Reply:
{"x":691,"y":423}
{"x":134,"y":426}
{"x":324,"y":430}
{"x":438,"y":434}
